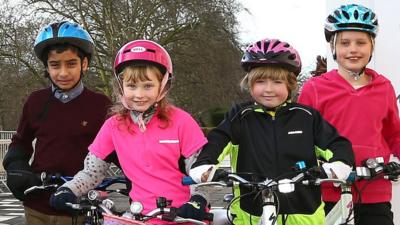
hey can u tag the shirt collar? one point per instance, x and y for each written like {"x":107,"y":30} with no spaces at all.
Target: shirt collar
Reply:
{"x":67,"y":96}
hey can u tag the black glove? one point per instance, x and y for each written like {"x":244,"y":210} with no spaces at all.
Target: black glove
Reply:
{"x":21,"y":177}
{"x":220,"y":175}
{"x":194,"y":209}
{"x":62,"y":196}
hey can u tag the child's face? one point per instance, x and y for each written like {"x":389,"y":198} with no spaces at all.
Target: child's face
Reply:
{"x":270,"y":93}
{"x":65,"y":68}
{"x":142,"y":94}
{"x":353,"y":50}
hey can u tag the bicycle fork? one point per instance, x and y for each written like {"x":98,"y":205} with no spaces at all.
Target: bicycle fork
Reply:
{"x":342,"y":212}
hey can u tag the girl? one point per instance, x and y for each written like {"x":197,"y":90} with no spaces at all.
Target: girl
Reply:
{"x":151,"y":137}
{"x":361,"y":103}
{"x":269,"y":134}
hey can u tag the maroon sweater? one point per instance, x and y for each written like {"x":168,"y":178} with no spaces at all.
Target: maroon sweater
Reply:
{"x":63,"y":132}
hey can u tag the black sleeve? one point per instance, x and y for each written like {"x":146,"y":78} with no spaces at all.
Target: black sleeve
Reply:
{"x":113,"y":158}
{"x":327,"y":138}
{"x":218,"y":139}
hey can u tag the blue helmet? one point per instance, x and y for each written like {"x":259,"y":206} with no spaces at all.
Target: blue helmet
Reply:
{"x":351,"y":17}
{"x":64,"y":32}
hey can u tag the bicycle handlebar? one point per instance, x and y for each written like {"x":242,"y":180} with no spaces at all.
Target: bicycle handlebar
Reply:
{"x":99,"y":201}
{"x":53,"y":181}
{"x":373,"y":167}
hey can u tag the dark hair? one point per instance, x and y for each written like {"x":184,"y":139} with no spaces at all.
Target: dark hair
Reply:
{"x":60,"y":48}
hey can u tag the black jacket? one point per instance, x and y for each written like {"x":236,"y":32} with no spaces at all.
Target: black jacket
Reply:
{"x":270,"y":143}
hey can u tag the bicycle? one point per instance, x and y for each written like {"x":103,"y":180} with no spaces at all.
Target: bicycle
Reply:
{"x":374,"y":168}
{"x":53,"y":181}
{"x":342,"y":213}
{"x":268,"y":189}
{"x":99,"y":208}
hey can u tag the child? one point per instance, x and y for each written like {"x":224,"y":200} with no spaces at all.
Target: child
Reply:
{"x":64,"y":119}
{"x":268,"y":135}
{"x":360,"y":103}
{"x":151,"y":137}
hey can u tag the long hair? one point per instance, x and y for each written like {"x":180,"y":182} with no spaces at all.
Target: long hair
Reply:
{"x":134,"y":74}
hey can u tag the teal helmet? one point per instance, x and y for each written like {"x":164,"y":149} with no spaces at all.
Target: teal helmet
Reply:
{"x":351,"y":17}
{"x":64,"y":32}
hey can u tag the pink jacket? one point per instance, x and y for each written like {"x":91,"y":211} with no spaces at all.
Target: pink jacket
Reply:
{"x":367,"y":116}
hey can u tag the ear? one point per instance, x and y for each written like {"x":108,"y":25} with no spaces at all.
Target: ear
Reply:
{"x":85,"y":64}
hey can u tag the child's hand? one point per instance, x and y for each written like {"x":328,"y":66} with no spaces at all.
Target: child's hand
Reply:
{"x":337,"y":170}
{"x":205,"y":175}
{"x":201,"y":173}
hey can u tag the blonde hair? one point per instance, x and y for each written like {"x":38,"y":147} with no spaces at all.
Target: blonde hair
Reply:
{"x":134,"y":74}
{"x":269,"y":72}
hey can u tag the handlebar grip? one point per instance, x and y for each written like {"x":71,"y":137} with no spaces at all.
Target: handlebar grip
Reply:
{"x":187,"y":180}
{"x":208,"y":216}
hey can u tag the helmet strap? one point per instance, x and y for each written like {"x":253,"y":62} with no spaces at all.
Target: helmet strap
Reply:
{"x":355,"y":75}
{"x":163,"y":90}
{"x":333,"y":46}
{"x":140,"y":118}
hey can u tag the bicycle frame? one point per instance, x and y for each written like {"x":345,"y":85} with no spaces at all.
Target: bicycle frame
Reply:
{"x":343,"y":209}
{"x":269,"y":187}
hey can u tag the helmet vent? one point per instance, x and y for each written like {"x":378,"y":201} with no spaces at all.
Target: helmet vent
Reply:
{"x":151,"y":50}
{"x":266,"y":45}
{"x":345,"y":14}
{"x":259,"y":44}
{"x":356,"y":14}
{"x":373,"y":16}
{"x":366,"y":15}
{"x":332,"y":19}
{"x":276,"y":44}
{"x":337,"y":13}
{"x":292,"y":56}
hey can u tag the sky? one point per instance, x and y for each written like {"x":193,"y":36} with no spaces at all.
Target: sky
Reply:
{"x":298,"y":22}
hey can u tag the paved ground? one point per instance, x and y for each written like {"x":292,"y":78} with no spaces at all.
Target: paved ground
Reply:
{"x":11,"y":210}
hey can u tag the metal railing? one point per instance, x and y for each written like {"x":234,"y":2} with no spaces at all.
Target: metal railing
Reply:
{"x":5,"y":140}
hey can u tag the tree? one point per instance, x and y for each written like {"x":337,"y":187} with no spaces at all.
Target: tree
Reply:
{"x":201,"y":37}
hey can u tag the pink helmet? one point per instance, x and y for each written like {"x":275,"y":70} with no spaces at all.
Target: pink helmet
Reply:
{"x":271,"y":51}
{"x":143,"y":52}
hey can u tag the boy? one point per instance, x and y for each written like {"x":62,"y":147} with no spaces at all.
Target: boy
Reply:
{"x":269,"y":134}
{"x":63,"y":118}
